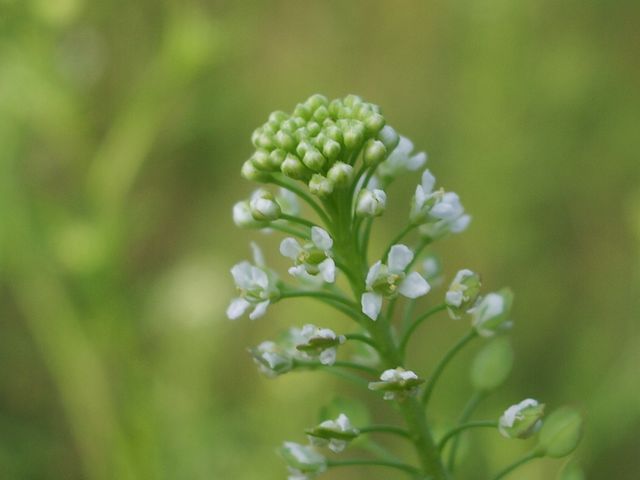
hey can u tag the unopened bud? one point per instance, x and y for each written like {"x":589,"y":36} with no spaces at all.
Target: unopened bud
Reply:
{"x":285,"y":141}
{"x":561,"y":433}
{"x":373,"y":123}
{"x":371,"y":203}
{"x":340,"y":174}
{"x":491,"y":315}
{"x":314,"y":160}
{"x":250,"y":172}
{"x":331,"y":149}
{"x":264,"y":207}
{"x":492,"y":365}
{"x":374,"y":153}
{"x":320,"y":186}
{"x":354,"y":136}
{"x":292,"y":167}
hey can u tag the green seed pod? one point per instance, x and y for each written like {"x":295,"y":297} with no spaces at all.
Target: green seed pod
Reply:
{"x":314,"y":160}
{"x":292,"y":167}
{"x":320,"y":186}
{"x":561,"y":433}
{"x":341,"y":174}
{"x":389,"y":137}
{"x":331,"y":149}
{"x":334,"y":133}
{"x":285,"y":141}
{"x":374,"y":152}
{"x":492,"y":365}
{"x":250,"y":172}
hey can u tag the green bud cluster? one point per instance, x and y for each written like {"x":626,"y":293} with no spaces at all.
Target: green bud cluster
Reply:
{"x":319,"y":142}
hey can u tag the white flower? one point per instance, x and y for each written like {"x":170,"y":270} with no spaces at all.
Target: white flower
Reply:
{"x":336,"y":434}
{"x":318,"y":343}
{"x":272,"y":359}
{"x":396,"y":383}
{"x":312,"y":260}
{"x":304,"y":463}
{"x":371,"y":203}
{"x":257,"y":287}
{"x":288,"y":202}
{"x":243,"y":218}
{"x":390,"y":280}
{"x":401,"y":160}
{"x":462,"y":293}
{"x":432,"y":269}
{"x":264,"y":206}
{"x":491,"y":314}
{"x":521,"y":420}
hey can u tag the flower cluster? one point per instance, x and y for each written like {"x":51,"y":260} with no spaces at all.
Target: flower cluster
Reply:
{"x":339,"y":159}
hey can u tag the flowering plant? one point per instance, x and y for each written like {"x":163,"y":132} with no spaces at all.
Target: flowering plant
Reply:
{"x":339,"y":158}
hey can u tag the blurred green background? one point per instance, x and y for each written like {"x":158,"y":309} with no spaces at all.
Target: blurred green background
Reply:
{"x":123,"y":126}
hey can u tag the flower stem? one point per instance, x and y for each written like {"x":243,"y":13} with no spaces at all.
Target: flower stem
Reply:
{"x":468,"y":410}
{"x":397,"y":239}
{"x":416,"y":323}
{"x":304,"y":196}
{"x":526,"y":458}
{"x":385,"y":429}
{"x":379,"y":463}
{"x":339,"y":364}
{"x":290,"y":231}
{"x":359,"y":337}
{"x":444,"y":362}
{"x":465,"y":426}
{"x":298,"y":220}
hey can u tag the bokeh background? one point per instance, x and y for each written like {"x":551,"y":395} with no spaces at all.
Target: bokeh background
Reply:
{"x":123,"y":126}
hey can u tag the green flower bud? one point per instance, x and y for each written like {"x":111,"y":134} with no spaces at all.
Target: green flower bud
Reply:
{"x":285,"y":141}
{"x":352,"y":100}
{"x":277,"y":117}
{"x":389,"y":137}
{"x":490,"y":316}
{"x":276,"y":158}
{"x":314,"y":160}
{"x":320,"y":186}
{"x":292,"y":167}
{"x":334,"y":107}
{"x":289,"y":126}
{"x":313,"y":128}
{"x":334,"y":133}
{"x":354,"y":135}
{"x":316,"y":101}
{"x":264,"y":207}
{"x":303,"y":111}
{"x":265,"y":140}
{"x":340,"y":174}
{"x":374,"y":153}
{"x":250,"y":172}
{"x":321,"y":114}
{"x":331,"y":149}
{"x":373,"y":123}
{"x":521,"y":420}
{"x":303,"y":147}
{"x":371,"y":203}
{"x":492,"y":365}
{"x":463,"y":293}
{"x":561,"y":433}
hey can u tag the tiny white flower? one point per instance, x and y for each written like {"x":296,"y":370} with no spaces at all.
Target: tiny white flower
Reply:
{"x":521,"y":420}
{"x":396,"y":383}
{"x":243,"y":218}
{"x":272,"y":359}
{"x":462,"y":293}
{"x":264,"y":206}
{"x":312,"y":260}
{"x":387,"y":281}
{"x":257,"y":286}
{"x":303,"y":462}
{"x":335,"y":434}
{"x":315,"y":342}
{"x":401,"y":160}
{"x":371,"y":203}
{"x":491,"y":314}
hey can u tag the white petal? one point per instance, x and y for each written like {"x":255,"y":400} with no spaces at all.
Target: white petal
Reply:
{"x":371,"y":305}
{"x":290,"y":248}
{"x":297,"y":271}
{"x":328,"y":270}
{"x":373,"y":273}
{"x":260,"y":310}
{"x":444,"y":211}
{"x":417,"y":161}
{"x":321,"y":238}
{"x":428,"y":181}
{"x":405,"y":146}
{"x":328,"y":356}
{"x":237,"y":307}
{"x":259,"y":278}
{"x":258,"y":257}
{"x":400,"y":256}
{"x":414,"y":286}
{"x":461,"y":224}
{"x":241,"y":273}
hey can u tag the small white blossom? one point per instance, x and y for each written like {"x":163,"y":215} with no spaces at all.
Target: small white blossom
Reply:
{"x":401,"y":160}
{"x":462,"y":293}
{"x":264,"y":206}
{"x":312,"y":260}
{"x":521,"y":420}
{"x":303,"y":462}
{"x":243,"y":218}
{"x":491,"y":314}
{"x":335,"y":434}
{"x":315,"y":342}
{"x":396,"y":383}
{"x":272,"y":359}
{"x":371,"y":203}
{"x":387,"y":281}
{"x":257,"y":286}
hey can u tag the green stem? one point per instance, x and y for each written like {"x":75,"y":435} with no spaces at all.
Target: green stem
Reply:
{"x":385,"y":429}
{"x":304,"y":196}
{"x":526,"y":458}
{"x":444,"y":362}
{"x":378,"y":463}
{"x":465,"y":426}
{"x":298,"y":220}
{"x":416,"y":323}
{"x":321,"y":295}
{"x":468,"y":410}
{"x":397,"y":239}
{"x":338,"y":364}
{"x":290,"y":231}
{"x":359,"y":337}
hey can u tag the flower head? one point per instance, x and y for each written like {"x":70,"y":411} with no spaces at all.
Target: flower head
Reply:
{"x":521,"y":420}
{"x":336,"y":434}
{"x":315,"y":342}
{"x":397,"y":383}
{"x":389,"y":280}
{"x":312,"y":260}
{"x":257,"y":286}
